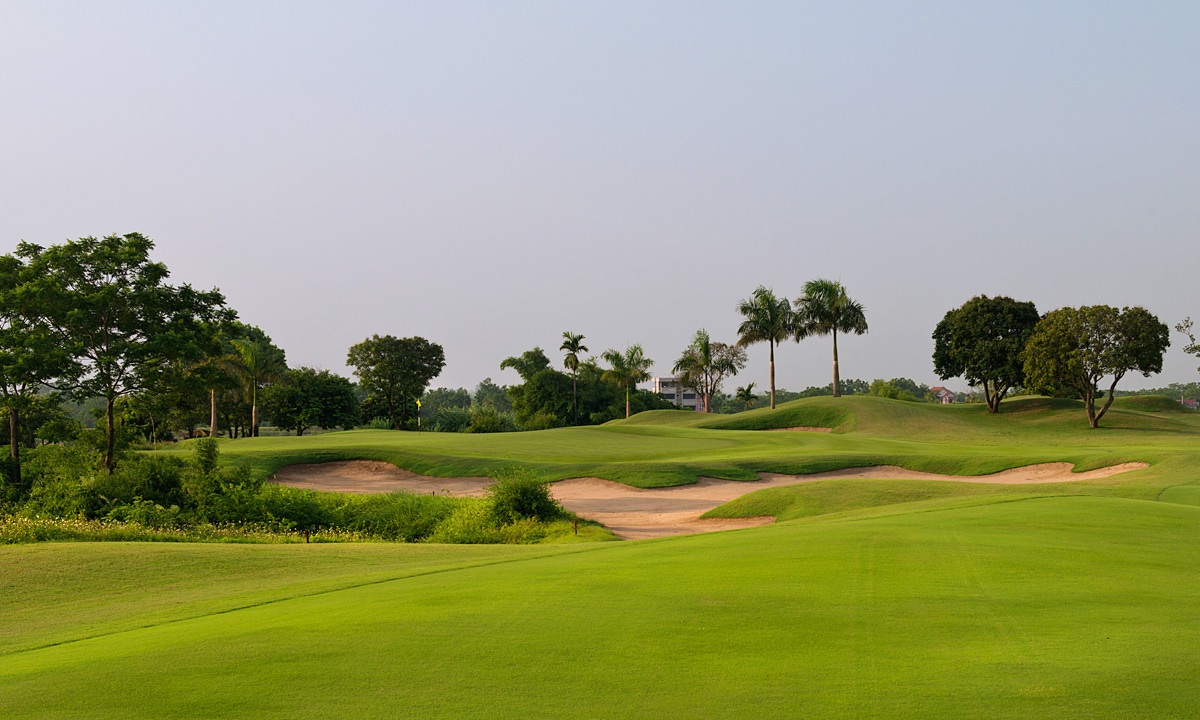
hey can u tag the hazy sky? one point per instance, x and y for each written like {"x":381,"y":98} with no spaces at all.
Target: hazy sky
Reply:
{"x":488,"y":175}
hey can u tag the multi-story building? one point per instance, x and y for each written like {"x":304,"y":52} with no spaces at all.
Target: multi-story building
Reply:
{"x":672,"y":391}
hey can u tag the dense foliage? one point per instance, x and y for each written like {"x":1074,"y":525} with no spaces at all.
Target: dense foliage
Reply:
{"x":982,"y":341}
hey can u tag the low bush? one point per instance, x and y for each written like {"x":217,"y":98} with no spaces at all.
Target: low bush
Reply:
{"x":519,"y":495}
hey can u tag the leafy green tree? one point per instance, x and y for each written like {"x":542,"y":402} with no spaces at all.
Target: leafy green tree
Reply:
{"x":768,"y":319}
{"x":312,"y":398}
{"x":111,"y":308}
{"x":544,"y":401}
{"x":573,"y":345}
{"x":528,"y":363}
{"x":746,"y":395}
{"x":395,"y":371}
{"x":437,"y":399}
{"x":982,"y":341}
{"x":488,"y":393}
{"x":705,"y":364}
{"x":30,"y":354}
{"x":826,"y":309}
{"x":1072,"y":349}
{"x":627,"y":369}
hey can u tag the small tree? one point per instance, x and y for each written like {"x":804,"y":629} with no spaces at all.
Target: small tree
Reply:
{"x":1072,"y":349}
{"x":982,"y":341}
{"x":746,"y":396}
{"x":628,"y":369}
{"x":573,"y":345}
{"x":312,"y":398}
{"x":705,"y":364}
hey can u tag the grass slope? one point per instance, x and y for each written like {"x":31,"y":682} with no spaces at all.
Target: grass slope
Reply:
{"x":673,"y":447}
{"x":1071,"y":607}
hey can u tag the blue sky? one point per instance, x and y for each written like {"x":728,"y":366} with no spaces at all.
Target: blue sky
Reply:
{"x":488,"y":175}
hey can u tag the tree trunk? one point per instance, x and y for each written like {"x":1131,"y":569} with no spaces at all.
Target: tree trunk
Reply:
{"x":14,"y":446}
{"x":574,"y":398}
{"x":991,"y":394}
{"x":706,"y":408}
{"x":111,"y":443}
{"x":254,"y":410}
{"x":837,"y":382}
{"x":627,"y":401}
{"x":1107,"y":401}
{"x":1089,"y":400}
{"x":212,"y":418}
{"x":771,"y":344}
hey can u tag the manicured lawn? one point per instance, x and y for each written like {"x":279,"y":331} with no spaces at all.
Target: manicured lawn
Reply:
{"x":1050,"y":607}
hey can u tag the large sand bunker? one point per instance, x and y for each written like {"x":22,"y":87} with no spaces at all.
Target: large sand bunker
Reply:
{"x":364,"y":477}
{"x":637,"y":513}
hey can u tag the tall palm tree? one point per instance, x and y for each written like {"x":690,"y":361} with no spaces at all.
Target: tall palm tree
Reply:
{"x":573,"y":344}
{"x":257,"y":362}
{"x":768,"y":319}
{"x":746,"y":395}
{"x":628,"y":369}
{"x":826,"y":309}
{"x":705,"y":364}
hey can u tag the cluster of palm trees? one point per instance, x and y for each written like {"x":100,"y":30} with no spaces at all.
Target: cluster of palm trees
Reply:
{"x":628,"y":368}
{"x":824,"y":309}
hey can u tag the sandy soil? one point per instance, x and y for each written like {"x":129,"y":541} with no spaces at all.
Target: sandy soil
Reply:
{"x":637,"y":513}
{"x":370,"y":476}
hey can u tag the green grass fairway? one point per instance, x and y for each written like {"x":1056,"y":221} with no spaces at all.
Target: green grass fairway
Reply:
{"x":1048,"y":607}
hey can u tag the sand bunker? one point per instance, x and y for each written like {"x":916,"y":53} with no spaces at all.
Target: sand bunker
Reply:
{"x":370,"y":476}
{"x":636,"y":513}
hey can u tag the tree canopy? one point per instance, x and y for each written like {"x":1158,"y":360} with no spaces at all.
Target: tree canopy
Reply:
{"x":110,"y":307}
{"x":1072,"y":349}
{"x":394,"y":372}
{"x":982,"y":341}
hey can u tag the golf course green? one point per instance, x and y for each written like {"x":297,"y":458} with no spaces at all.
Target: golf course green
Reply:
{"x":869,"y":598}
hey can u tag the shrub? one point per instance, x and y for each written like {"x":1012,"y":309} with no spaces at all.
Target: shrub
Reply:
{"x":147,"y":514}
{"x":471,"y":523}
{"x":158,"y":479}
{"x":519,"y":495}
{"x":487,"y":419}
{"x":57,"y":476}
{"x":451,"y":419}
{"x":398,"y":515}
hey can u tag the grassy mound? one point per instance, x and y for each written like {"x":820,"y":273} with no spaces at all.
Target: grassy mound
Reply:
{"x":1050,"y":607}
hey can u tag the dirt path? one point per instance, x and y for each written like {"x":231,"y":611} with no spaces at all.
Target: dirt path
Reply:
{"x":636,"y":513}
